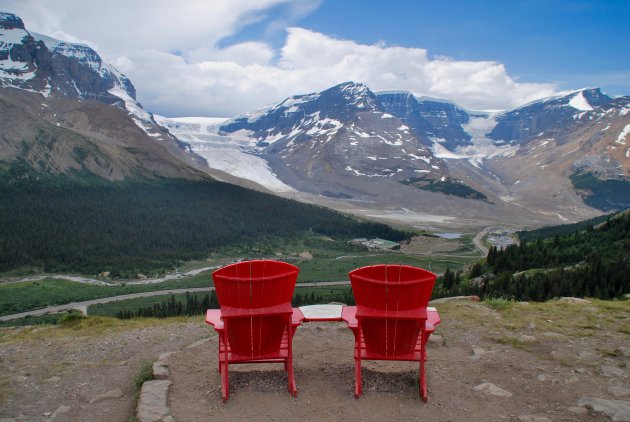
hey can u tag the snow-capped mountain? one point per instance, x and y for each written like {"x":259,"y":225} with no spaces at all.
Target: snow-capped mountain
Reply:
{"x":316,"y":141}
{"x":431,"y":120}
{"x":59,"y":69}
{"x":78,"y":111}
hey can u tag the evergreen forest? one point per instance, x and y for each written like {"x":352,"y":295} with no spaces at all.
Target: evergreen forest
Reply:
{"x":137,"y":227}
{"x":594,"y":262}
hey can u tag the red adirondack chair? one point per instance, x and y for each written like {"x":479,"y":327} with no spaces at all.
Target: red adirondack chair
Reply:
{"x":391,"y":320}
{"x":255,"y":323}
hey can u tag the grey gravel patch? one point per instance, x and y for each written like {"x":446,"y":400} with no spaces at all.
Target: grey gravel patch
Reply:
{"x":611,"y":371}
{"x":113,"y":394}
{"x":198,"y":343}
{"x":619,"y":391}
{"x":60,"y":411}
{"x":617,"y":410}
{"x":533,"y":418}
{"x":492,"y":390}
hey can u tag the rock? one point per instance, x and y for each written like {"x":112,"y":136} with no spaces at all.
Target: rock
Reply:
{"x":611,"y":371}
{"x":578,"y":410}
{"x":152,"y":404}
{"x":533,"y":418}
{"x":574,"y":300}
{"x":541,"y":377}
{"x":160,"y":370}
{"x":580,"y":370}
{"x":198,"y":343}
{"x":617,"y":410}
{"x":625,"y":350}
{"x":619,"y":391}
{"x":7,"y":420}
{"x":492,"y":390}
{"x":571,"y":380}
{"x":113,"y":394}
{"x":585,"y":354}
{"x":21,"y":378}
{"x":436,"y":339}
{"x":60,"y":411}
{"x":478,"y":351}
{"x":527,"y":339}
{"x":306,"y":255}
{"x":52,"y":379}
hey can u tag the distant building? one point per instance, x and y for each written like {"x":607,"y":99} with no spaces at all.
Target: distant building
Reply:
{"x":376,"y":244}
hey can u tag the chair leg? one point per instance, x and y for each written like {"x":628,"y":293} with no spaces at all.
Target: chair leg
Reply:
{"x":358,"y":387}
{"x":291,"y":377}
{"x":225,"y":387}
{"x":423,"y":382}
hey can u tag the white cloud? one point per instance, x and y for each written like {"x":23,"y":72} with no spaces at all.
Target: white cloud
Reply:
{"x":172,"y":53}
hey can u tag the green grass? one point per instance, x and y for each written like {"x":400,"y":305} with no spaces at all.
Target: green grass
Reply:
{"x":24,"y":296}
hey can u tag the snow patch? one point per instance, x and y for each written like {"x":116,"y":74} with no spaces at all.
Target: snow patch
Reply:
{"x":621,"y":139}
{"x":578,"y":102}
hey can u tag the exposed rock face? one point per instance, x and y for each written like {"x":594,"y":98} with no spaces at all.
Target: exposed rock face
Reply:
{"x":316,"y":141}
{"x":428,"y":119}
{"x":56,"y":68}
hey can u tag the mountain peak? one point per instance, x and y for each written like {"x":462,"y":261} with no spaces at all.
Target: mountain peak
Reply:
{"x":10,"y":21}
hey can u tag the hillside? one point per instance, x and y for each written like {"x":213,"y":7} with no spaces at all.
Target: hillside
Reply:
{"x":591,"y":262}
{"x":142,"y":227}
{"x":557,"y":360}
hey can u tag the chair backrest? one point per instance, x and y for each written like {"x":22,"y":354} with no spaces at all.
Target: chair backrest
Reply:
{"x":253,"y":285}
{"x":385,"y":290}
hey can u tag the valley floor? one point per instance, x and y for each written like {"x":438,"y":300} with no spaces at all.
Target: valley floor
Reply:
{"x":551,"y":357}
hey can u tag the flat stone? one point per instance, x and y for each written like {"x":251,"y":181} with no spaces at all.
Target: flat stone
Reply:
{"x":160,"y":370}
{"x":541,"y":377}
{"x":152,"y":404}
{"x":492,"y":390}
{"x":611,"y":371}
{"x":527,"y":339}
{"x":52,"y":379}
{"x":574,"y":300}
{"x":60,"y":411}
{"x":113,"y":394}
{"x":619,"y":391}
{"x":617,"y":410}
{"x":578,"y":410}
{"x":533,"y":418}
{"x":21,"y":378}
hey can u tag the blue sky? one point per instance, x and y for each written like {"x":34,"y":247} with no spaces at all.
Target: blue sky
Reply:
{"x":225,"y":57}
{"x":571,"y":43}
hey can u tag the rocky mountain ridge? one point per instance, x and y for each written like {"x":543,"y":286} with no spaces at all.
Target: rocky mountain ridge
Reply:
{"x":65,"y":111}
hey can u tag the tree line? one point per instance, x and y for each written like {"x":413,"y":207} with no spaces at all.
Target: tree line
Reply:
{"x":136,"y":227}
{"x":192,"y":305}
{"x":590,"y":263}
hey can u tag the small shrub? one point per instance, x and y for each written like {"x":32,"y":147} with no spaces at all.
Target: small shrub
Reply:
{"x":145,"y":374}
{"x":71,"y":319}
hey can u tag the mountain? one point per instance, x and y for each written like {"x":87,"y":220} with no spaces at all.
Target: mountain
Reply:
{"x":555,"y":157}
{"x":65,"y":111}
{"x":316,"y":142}
{"x":429,"y":119}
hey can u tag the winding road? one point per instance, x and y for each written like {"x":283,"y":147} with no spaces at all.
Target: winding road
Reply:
{"x":82,"y":306}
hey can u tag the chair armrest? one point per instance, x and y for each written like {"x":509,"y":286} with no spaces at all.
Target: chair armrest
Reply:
{"x":297,"y":317}
{"x":349,"y":316}
{"x":213,"y":317}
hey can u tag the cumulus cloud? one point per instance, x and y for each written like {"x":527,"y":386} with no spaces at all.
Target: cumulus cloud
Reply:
{"x":173,"y":53}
